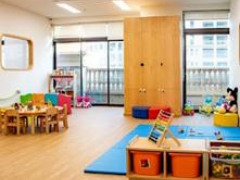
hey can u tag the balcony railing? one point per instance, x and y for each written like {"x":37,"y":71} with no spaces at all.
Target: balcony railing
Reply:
{"x":200,"y":81}
{"x":204,"y":80}
{"x":97,"y":80}
{"x":97,"y":84}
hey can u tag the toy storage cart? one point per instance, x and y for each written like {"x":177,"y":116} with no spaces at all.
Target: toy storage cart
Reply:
{"x":223,"y":160}
{"x":188,"y":147}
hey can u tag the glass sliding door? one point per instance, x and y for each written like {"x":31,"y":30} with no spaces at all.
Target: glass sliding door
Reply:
{"x":95,"y":71}
{"x":207,"y":66}
{"x":206,"y":55}
{"x":98,"y":66}
{"x":116,"y":73}
{"x":68,"y":60}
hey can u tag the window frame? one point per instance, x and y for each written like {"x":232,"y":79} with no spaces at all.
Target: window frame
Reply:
{"x":197,"y":31}
{"x":80,"y":40}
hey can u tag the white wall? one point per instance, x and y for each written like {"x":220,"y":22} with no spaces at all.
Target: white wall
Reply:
{"x":234,"y":35}
{"x":16,"y":21}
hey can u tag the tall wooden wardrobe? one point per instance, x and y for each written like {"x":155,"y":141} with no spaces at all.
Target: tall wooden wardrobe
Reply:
{"x":152,"y":62}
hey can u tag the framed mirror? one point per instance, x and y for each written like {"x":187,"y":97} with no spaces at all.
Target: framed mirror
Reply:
{"x":16,"y":53}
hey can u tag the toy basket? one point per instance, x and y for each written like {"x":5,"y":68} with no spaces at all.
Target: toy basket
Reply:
{"x":185,"y":165}
{"x":221,"y":167}
{"x":147,"y":163}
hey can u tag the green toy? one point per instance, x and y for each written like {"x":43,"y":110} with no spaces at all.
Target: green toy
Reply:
{"x":207,"y":107}
{"x":188,"y":109}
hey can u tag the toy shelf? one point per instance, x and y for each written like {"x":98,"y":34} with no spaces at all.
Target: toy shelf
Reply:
{"x":170,"y":177}
{"x":135,"y":176}
{"x":169,"y":146}
{"x":70,"y":91}
{"x":211,"y":148}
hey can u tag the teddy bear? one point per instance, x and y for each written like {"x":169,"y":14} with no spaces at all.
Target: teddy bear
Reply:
{"x":230,"y":104}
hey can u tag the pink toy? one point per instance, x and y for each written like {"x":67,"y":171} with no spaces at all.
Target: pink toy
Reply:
{"x":84,"y":101}
{"x":87,"y":102}
{"x":79,"y":101}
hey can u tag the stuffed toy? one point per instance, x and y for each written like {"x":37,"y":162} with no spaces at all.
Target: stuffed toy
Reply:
{"x":207,"y":107}
{"x":230,"y":105}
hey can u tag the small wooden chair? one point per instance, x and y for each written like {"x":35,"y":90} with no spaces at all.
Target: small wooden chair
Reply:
{"x":49,"y":119}
{"x":63,"y":116}
{"x":38,"y":99}
{"x":1,"y":121}
{"x":13,"y":120}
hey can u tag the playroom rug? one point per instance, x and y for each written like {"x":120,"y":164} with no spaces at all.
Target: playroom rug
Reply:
{"x":114,"y":160}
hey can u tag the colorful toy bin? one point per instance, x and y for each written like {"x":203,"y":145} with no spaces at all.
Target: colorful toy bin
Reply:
{"x":146,"y":163}
{"x":225,"y":166}
{"x":185,"y":165}
{"x":225,"y":159}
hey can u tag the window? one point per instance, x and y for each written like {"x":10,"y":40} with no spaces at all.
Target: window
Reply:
{"x":208,"y":64}
{"x":222,"y":40}
{"x":222,"y":53}
{"x":222,"y":64}
{"x":98,"y":64}
{"x":208,"y":40}
{"x":207,"y":55}
{"x":222,"y":24}
{"x":207,"y":24}
{"x":191,"y":24}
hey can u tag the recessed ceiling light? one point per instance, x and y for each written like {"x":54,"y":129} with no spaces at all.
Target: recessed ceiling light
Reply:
{"x":68,"y":8}
{"x":122,"y":5}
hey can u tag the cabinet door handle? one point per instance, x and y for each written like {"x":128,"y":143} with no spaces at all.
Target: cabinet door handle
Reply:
{"x":142,"y":64}
{"x":140,"y":90}
{"x":163,"y":91}
{"x":161,"y":64}
{"x":144,"y":90}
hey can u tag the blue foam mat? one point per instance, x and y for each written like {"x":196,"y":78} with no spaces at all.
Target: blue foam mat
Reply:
{"x":111,"y":162}
{"x":114,"y":160}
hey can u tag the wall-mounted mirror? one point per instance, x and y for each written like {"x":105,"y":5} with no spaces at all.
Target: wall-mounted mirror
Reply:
{"x":16,"y":53}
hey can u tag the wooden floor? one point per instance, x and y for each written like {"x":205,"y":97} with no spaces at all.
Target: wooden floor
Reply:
{"x":64,"y":155}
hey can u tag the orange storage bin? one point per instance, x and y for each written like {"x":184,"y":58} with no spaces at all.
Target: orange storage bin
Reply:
{"x":185,"y":165}
{"x":146,"y":163}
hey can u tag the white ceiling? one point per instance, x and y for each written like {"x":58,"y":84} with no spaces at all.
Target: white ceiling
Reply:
{"x":49,"y":9}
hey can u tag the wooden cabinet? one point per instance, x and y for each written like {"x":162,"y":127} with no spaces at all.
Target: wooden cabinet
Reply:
{"x":152,"y":62}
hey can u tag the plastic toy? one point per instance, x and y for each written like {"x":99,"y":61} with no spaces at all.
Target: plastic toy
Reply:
{"x":218,"y":135}
{"x":79,"y":101}
{"x":192,"y":132}
{"x":206,"y":108}
{"x":221,"y":100}
{"x":188,"y":109}
{"x":180,"y":130}
{"x":230,"y":104}
{"x":84,"y":101}
{"x":87,"y":102}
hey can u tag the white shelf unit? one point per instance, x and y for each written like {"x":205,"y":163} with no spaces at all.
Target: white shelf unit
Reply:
{"x":71,"y":92}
